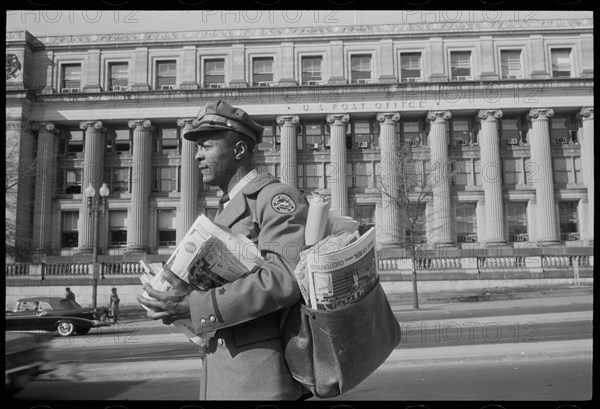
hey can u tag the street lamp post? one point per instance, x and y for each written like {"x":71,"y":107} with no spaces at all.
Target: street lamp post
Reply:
{"x":95,"y":207}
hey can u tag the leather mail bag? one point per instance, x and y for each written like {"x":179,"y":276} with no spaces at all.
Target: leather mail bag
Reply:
{"x":332,"y":351}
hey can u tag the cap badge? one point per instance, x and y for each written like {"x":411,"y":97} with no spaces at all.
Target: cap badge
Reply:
{"x":229,"y":124}
{"x":282,"y":203}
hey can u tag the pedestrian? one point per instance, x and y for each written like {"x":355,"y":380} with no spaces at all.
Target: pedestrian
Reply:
{"x":244,"y":358}
{"x":69,"y":295}
{"x":114,"y":304}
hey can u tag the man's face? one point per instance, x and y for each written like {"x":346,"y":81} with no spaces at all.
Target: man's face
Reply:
{"x":216,"y":158}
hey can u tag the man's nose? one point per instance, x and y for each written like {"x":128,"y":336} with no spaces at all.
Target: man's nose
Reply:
{"x":199,"y":155}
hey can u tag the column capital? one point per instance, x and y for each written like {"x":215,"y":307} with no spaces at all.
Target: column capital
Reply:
{"x":44,"y":127}
{"x":140,"y":124}
{"x":438,"y":116}
{"x":338,"y":119}
{"x":289,"y":120}
{"x":586,"y":113}
{"x":185,"y":122}
{"x":97,"y":125}
{"x":491,"y":114}
{"x":540,"y":113}
{"x":388,"y":117}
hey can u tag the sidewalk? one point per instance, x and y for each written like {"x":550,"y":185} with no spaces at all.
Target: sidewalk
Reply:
{"x":463,"y":300}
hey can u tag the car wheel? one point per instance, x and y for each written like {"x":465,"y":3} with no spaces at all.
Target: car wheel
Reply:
{"x":65,"y":328}
{"x":82,"y":331}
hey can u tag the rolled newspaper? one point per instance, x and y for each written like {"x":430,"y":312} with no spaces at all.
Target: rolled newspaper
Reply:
{"x":316,"y":221}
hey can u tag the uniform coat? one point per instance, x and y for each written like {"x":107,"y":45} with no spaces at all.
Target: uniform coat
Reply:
{"x":244,"y":359}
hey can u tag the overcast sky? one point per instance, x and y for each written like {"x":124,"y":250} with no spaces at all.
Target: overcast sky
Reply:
{"x":64,"y":22}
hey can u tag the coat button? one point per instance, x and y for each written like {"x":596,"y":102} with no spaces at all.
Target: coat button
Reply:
{"x":202,"y":321}
{"x":221,"y":342}
{"x":212,"y":318}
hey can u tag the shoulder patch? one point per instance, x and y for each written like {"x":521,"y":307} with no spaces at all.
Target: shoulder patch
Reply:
{"x":283,"y":203}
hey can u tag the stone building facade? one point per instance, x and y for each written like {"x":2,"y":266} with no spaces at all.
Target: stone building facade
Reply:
{"x":497,"y":119}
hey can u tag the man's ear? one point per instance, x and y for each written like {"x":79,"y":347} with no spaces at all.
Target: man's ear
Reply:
{"x":241,"y":149}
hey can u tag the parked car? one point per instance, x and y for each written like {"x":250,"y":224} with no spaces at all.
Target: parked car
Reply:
{"x":25,"y":359}
{"x":55,"y":314}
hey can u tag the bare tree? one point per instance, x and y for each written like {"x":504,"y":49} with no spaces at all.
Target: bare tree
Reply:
{"x":20,"y":172}
{"x":409,"y":193}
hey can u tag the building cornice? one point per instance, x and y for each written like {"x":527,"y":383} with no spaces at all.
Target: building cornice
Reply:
{"x":309,"y":33}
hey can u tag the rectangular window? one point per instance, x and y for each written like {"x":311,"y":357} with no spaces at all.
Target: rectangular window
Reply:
{"x":569,"y":221}
{"x":72,"y":143}
{"x":411,"y":132}
{"x":117,"y":228}
{"x":462,"y":131}
{"x":577,"y":170}
{"x":532,"y":170}
{"x":164,"y":179}
{"x":360,"y":69}
{"x":312,"y":176}
{"x":269,"y":136}
{"x":167,"y":230}
{"x":69,"y":181}
{"x":214,"y":73}
{"x":516,"y":216}
{"x":511,"y":168}
{"x":477,"y":172}
{"x":166,"y":74}
{"x":510,"y":130}
{"x":562,"y":63}
{"x":300,"y":170}
{"x":118,"y":180}
{"x":460,"y":172}
{"x":69,"y":230}
{"x":416,"y":223}
{"x":118,"y":142}
{"x":71,"y":78}
{"x":510,"y":65}
{"x":365,"y":215}
{"x":466,"y":223}
{"x":312,"y":70}
{"x":118,"y":76}
{"x":460,"y":65}
{"x":361,"y":174}
{"x":262,"y":71}
{"x":313,"y":132}
{"x":167,"y":141}
{"x":561,"y":170}
{"x":363,"y":133}
{"x":560,"y":133}
{"x":410,"y":67}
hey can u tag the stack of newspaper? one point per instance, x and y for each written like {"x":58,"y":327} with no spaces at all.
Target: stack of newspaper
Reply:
{"x":340,"y":265}
{"x":208,"y":253}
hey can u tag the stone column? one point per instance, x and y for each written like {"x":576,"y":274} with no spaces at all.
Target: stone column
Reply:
{"x":189,"y":69}
{"x":490,"y":175}
{"x":93,"y":173}
{"x":392,"y":226}
{"x":544,"y":186}
{"x":337,"y":172}
{"x":440,"y":177}
{"x":190,"y":182}
{"x":141,"y":179}
{"x":45,"y":178}
{"x":587,"y":162}
{"x":289,"y":161}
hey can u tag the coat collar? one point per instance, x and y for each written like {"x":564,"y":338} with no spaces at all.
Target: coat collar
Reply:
{"x":238,"y":205}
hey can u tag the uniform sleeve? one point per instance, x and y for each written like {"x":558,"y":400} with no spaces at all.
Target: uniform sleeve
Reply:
{"x":281,"y":213}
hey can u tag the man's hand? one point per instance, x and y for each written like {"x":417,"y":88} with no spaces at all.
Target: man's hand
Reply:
{"x":169,"y":305}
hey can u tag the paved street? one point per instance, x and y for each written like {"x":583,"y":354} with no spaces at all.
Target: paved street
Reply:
{"x":531,"y":349}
